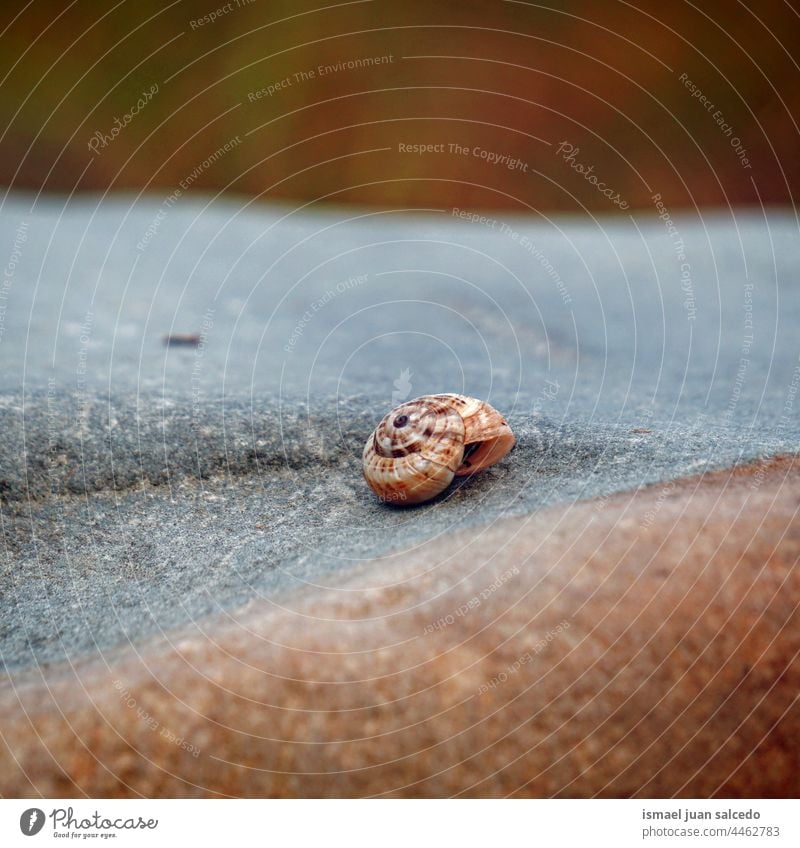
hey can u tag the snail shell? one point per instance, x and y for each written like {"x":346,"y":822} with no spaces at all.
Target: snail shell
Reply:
{"x":419,"y":447}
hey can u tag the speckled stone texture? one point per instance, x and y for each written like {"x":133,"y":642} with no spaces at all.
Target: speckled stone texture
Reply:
{"x":143,"y":486}
{"x":643,"y":644}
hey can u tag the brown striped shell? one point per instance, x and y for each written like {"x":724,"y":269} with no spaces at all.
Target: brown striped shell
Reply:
{"x":419,"y":447}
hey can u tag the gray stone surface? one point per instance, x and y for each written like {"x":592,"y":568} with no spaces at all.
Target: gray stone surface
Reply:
{"x":142,"y":484}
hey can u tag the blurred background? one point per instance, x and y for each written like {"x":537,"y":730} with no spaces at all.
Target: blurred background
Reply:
{"x":317,"y":101}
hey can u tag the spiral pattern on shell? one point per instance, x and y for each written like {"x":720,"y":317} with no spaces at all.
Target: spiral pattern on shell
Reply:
{"x":419,"y":447}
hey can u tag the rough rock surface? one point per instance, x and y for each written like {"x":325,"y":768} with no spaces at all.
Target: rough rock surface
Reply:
{"x":142,"y":486}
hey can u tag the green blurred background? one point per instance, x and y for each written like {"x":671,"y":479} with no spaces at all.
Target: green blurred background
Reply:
{"x":509,"y":78}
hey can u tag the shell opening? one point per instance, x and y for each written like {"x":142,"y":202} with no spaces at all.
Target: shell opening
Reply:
{"x":480,"y":455}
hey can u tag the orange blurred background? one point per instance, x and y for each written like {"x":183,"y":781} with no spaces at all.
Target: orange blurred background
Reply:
{"x":696,"y":103}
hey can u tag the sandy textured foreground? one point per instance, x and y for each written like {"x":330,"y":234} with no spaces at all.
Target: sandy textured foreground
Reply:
{"x":643,"y":645}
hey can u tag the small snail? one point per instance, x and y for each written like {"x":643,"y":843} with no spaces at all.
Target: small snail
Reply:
{"x":418,"y":448}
